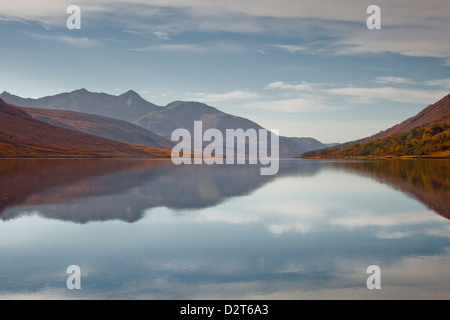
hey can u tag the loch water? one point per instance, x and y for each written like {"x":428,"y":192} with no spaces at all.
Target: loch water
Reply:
{"x":147,"y":229}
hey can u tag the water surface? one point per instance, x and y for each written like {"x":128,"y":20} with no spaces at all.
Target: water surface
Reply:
{"x":151,"y":230}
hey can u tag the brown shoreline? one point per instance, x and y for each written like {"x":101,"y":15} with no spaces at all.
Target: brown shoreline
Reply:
{"x":318,"y":157}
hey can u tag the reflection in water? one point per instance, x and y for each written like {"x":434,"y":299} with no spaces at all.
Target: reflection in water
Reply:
{"x":122,"y":189}
{"x":426,"y":180}
{"x":221,"y":232}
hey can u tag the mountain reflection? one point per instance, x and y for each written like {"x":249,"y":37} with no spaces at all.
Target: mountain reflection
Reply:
{"x":106,"y":189}
{"x":427,"y":180}
{"x":98,"y":190}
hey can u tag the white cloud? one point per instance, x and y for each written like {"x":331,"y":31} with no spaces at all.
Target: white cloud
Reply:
{"x":395,"y":80}
{"x":393,"y":234}
{"x":290,"y":86}
{"x":73,"y":41}
{"x":389,"y":93}
{"x":218,"y":46}
{"x":289,"y":105}
{"x":291,"y":48}
{"x":425,"y":40}
{"x":445,"y":83}
{"x":232,"y":95}
{"x":172,"y":47}
{"x":443,"y":231}
{"x":161,"y":35}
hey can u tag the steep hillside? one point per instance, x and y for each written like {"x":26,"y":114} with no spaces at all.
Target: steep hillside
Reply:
{"x":432,"y":140}
{"x":23,"y":136}
{"x":100,"y":126}
{"x":433,"y":113}
{"x":425,"y":135}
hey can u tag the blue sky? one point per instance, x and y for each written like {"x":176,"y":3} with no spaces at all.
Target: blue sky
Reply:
{"x":308,"y":68}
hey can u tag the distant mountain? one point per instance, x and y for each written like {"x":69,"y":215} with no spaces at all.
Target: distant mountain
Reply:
{"x":128,"y":106}
{"x":182,"y":114}
{"x":131,"y":107}
{"x":425,"y":135}
{"x":23,"y":136}
{"x":100,"y":126}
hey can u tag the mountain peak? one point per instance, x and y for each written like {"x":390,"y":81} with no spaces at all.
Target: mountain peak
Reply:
{"x":6,"y":95}
{"x":82,"y":90}
{"x":131,"y":93}
{"x":193,"y":106}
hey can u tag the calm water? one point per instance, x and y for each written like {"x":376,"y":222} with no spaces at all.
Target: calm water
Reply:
{"x":151,"y":230}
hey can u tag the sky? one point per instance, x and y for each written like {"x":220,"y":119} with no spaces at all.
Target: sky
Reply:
{"x":309,"y":68}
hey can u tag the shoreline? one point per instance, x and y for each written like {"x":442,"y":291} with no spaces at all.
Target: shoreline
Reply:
{"x":319,"y":157}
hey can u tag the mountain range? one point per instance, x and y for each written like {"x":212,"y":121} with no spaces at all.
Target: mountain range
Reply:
{"x":87,"y":109}
{"x":128,"y":106}
{"x":133,"y":122}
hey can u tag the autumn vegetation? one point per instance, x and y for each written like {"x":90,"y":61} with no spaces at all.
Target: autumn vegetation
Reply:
{"x":431,"y":141}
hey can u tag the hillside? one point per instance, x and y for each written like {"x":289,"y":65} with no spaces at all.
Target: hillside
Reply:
{"x":23,"y":136}
{"x":426,"y":141}
{"x":433,"y":113}
{"x":425,"y":135}
{"x":100,"y":126}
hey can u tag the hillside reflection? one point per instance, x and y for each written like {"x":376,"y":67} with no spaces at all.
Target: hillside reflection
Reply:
{"x":426,"y":180}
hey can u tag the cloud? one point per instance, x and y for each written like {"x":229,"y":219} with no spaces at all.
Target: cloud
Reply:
{"x":210,"y":47}
{"x":289,"y":105}
{"x":73,"y":41}
{"x":425,"y":40}
{"x":232,"y":95}
{"x":409,"y":27}
{"x":390,"y":93}
{"x":161,"y":35}
{"x":290,"y":86}
{"x":395,"y":80}
{"x":444,"y":83}
{"x":172,"y":47}
{"x":291,"y":48}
